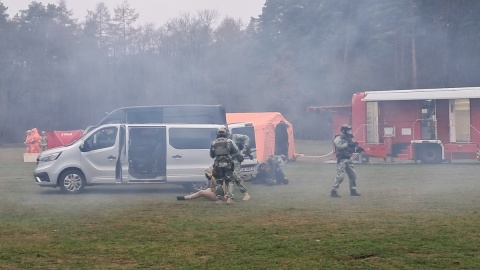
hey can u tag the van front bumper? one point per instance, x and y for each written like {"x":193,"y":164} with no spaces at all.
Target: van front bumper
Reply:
{"x":43,"y":179}
{"x":247,"y":171}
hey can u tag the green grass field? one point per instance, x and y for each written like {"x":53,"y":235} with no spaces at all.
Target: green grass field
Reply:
{"x":410,"y":216}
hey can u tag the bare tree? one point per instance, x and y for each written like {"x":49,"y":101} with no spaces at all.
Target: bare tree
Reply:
{"x":188,"y":39}
{"x":123,"y":26}
{"x":98,"y":22}
{"x":413,"y":48}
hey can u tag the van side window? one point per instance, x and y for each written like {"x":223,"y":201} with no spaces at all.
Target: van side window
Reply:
{"x":191,"y":138}
{"x":103,"y":138}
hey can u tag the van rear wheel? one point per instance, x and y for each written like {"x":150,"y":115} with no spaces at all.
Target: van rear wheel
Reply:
{"x":72,"y":182}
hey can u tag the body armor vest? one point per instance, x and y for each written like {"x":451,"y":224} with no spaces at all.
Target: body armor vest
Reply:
{"x":221,"y":147}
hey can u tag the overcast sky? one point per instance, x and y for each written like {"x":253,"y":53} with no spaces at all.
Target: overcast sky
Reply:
{"x":155,"y":11}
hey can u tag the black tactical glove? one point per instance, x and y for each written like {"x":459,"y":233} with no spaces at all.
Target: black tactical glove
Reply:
{"x":353,"y":144}
{"x":240,"y":157}
{"x":360,"y":150}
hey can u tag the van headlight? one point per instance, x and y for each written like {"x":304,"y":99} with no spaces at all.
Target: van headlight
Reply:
{"x":50,"y":157}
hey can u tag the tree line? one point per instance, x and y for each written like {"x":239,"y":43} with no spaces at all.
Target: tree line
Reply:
{"x":59,"y":73}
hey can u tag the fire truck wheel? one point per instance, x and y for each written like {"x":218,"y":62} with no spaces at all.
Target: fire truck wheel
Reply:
{"x":430,"y":154}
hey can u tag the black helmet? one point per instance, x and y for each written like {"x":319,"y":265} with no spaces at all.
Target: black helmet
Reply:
{"x":222,"y":132}
{"x":345,"y":128}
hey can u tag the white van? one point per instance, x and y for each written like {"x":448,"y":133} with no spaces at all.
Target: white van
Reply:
{"x":114,"y":154}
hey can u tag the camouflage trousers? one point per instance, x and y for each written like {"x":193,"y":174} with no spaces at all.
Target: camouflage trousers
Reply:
{"x":345,"y":166}
{"x":236,"y":176}
{"x":227,"y":176}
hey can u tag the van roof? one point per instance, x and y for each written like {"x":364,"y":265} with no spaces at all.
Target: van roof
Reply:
{"x":186,"y":113}
{"x":170,"y":125}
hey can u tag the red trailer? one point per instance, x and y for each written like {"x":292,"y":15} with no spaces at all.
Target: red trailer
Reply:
{"x":430,"y":125}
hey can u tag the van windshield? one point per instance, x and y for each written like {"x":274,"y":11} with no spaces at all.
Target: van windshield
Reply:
{"x":249,"y":131}
{"x":167,"y":114}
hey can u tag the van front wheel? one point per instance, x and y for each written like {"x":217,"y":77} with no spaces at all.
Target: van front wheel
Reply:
{"x":72,"y":182}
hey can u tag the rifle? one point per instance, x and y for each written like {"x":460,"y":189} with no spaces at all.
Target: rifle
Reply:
{"x":248,"y":153}
{"x":359,"y":149}
{"x":354,"y":146}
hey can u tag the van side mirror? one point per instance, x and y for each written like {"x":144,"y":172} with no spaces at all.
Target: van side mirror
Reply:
{"x":85,"y":146}
{"x":82,"y":146}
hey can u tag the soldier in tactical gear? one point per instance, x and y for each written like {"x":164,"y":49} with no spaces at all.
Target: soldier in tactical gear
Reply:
{"x":271,"y":171}
{"x":242,"y":142}
{"x":344,"y":148}
{"x":223,"y":150}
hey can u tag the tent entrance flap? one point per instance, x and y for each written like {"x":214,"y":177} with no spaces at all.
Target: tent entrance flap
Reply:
{"x":281,"y":139}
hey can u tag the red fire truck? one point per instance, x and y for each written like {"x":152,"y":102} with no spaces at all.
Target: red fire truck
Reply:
{"x":429,"y":125}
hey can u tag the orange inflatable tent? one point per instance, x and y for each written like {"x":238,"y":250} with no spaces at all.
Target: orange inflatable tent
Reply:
{"x":273,"y":133}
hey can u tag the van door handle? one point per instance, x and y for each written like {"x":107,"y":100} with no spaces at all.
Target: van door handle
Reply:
{"x":177,"y":156}
{"x":111,"y":157}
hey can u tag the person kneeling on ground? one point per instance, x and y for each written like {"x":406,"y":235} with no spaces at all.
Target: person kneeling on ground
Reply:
{"x":271,"y":172}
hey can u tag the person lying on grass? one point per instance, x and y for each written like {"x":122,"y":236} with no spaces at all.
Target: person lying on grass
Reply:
{"x":204,"y":193}
{"x":208,"y":193}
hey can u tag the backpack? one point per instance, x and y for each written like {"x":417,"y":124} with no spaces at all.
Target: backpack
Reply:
{"x":221,"y":147}
{"x":223,"y":164}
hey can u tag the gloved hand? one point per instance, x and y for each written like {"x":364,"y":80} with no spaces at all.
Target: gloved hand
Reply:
{"x":360,"y":150}
{"x":244,"y":151}
{"x":353,"y":144}
{"x":240,"y":158}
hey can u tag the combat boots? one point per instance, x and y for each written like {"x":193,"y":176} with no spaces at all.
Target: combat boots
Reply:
{"x":246,"y":196}
{"x":354,"y":192}
{"x":334,"y":193}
